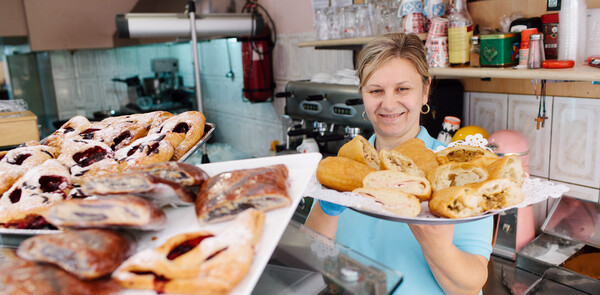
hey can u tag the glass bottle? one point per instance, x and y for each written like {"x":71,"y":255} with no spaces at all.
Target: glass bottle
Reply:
{"x":475,"y":51}
{"x":460,"y":31}
{"x":536,"y":52}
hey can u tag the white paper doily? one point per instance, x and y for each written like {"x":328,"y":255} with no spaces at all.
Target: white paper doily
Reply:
{"x":535,"y":190}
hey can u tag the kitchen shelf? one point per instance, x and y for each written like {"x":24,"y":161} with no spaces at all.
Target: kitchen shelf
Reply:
{"x":578,"y":73}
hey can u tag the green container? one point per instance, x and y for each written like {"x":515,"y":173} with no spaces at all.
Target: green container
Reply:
{"x":499,"y":50}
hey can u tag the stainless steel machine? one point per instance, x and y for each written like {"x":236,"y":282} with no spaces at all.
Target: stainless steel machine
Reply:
{"x":329,"y":113}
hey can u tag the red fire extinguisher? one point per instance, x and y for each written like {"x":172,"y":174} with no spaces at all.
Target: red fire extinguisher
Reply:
{"x":257,"y":63}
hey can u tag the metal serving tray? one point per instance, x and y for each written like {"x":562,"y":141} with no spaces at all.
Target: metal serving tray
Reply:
{"x":209,"y":128}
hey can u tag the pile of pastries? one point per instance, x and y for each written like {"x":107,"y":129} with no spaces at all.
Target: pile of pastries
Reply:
{"x":99,"y":190}
{"x":457,"y":182}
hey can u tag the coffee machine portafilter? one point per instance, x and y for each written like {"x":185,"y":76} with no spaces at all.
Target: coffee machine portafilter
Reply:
{"x":329,"y":113}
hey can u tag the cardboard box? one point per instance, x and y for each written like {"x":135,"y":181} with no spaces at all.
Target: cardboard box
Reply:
{"x":17,"y":128}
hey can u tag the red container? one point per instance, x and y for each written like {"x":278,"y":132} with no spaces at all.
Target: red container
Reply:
{"x":550,"y":30}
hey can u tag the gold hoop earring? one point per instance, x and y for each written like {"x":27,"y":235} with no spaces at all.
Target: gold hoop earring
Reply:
{"x":427,"y":111}
{"x":364,"y":116}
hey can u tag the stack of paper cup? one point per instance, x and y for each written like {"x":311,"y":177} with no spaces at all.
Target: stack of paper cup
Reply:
{"x":433,"y":9}
{"x":437,"y":43}
{"x":412,"y":12}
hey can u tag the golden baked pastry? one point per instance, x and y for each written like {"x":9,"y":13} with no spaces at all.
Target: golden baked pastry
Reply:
{"x":224,"y":195}
{"x":475,"y":198}
{"x":196,"y":262}
{"x":22,"y":277}
{"x":87,"y":254}
{"x":342,"y":174}
{"x":414,"y":185}
{"x":71,"y":128}
{"x":462,"y":153}
{"x":393,"y":200}
{"x":456,"y":174}
{"x":423,"y":157}
{"x":113,"y":212}
{"x":16,"y":162}
{"x":190,"y":124}
{"x":42,"y":186}
{"x":83,"y":156}
{"x":507,"y":167}
{"x":359,"y":149}
{"x":393,"y":160}
{"x":182,"y":173}
{"x":154,"y":148}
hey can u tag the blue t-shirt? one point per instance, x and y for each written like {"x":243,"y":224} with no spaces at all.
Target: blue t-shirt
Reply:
{"x":393,"y":244}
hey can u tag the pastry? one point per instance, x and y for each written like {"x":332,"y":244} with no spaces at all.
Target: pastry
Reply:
{"x":84,"y":156}
{"x":182,"y":173}
{"x":42,"y":186}
{"x":22,"y":277}
{"x":414,"y":185}
{"x":154,"y":148}
{"x":341,"y":173}
{"x":16,"y":162}
{"x":196,"y":262}
{"x":456,"y":174}
{"x":69,"y":129}
{"x":87,"y":254}
{"x":190,"y":124}
{"x":115,"y":211}
{"x":423,"y":157}
{"x":393,"y":200}
{"x":360,"y":150}
{"x":462,"y":153}
{"x":393,"y":160}
{"x":224,"y":195}
{"x":507,"y":167}
{"x":475,"y":198}
{"x":160,"y":191}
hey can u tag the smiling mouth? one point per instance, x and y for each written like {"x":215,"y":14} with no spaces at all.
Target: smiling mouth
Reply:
{"x":391,"y":116}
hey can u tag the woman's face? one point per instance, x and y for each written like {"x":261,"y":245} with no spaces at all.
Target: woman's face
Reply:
{"x":393,"y":98}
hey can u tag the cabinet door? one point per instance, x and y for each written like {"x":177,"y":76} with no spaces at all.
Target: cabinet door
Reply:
{"x":488,"y":110}
{"x":522,"y":111}
{"x":575,"y":141}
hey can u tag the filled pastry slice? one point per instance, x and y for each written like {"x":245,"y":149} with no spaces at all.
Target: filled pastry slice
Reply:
{"x":182,"y":173}
{"x":16,"y":162}
{"x":393,"y":200}
{"x":359,"y":149}
{"x":414,"y":185}
{"x":456,"y":174}
{"x":415,"y":149}
{"x":226,"y":194}
{"x":462,"y":153}
{"x":508,"y":167}
{"x":393,"y":160}
{"x":23,"y":205}
{"x":189,"y":124}
{"x":87,"y":254}
{"x":200,"y":262}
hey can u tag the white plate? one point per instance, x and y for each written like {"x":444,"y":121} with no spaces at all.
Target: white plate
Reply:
{"x":179,"y":220}
{"x":27,"y":232}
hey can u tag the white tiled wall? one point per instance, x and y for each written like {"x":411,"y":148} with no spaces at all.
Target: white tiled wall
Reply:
{"x":82,"y":81}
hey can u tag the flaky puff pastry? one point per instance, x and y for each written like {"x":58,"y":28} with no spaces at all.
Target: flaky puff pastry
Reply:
{"x":393,"y":160}
{"x":507,"y":167}
{"x":475,"y":198}
{"x":359,"y":149}
{"x":190,"y":124}
{"x":197,"y":262}
{"x":393,"y":200}
{"x":341,"y":173}
{"x":423,"y":157}
{"x":18,"y":161}
{"x":414,"y":185}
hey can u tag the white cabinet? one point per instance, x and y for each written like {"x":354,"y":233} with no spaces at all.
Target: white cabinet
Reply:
{"x":575,"y":147}
{"x":522,"y":111}
{"x":488,"y":110}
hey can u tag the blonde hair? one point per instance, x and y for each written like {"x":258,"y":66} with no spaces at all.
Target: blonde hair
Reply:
{"x":386,"y":47}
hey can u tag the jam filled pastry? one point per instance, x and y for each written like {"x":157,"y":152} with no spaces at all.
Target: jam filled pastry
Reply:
{"x":69,"y":129}
{"x":226,"y":194}
{"x":19,"y":160}
{"x":150,"y":120}
{"x":84,"y":156}
{"x":23,"y":205}
{"x":87,"y":254}
{"x":161,"y":192}
{"x":121,"y":131}
{"x":182,"y":173}
{"x":115,"y":212}
{"x":196,"y":262}
{"x":154,"y":148}
{"x":24,"y":277}
{"x":190,"y":124}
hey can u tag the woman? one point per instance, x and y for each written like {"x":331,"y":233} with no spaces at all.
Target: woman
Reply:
{"x":434,"y":259}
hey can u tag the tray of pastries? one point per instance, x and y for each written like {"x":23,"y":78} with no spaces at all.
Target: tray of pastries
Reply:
{"x":167,"y":227}
{"x":413,"y":184}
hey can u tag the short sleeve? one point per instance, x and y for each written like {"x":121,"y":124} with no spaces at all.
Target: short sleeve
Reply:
{"x":475,"y":237}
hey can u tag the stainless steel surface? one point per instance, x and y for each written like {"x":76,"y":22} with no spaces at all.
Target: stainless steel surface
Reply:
{"x":506,"y":236}
{"x":352,"y":132}
{"x":575,"y":219}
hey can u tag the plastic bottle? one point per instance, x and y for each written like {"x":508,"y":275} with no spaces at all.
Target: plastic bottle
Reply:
{"x":460,"y":31}
{"x":572,"y":30}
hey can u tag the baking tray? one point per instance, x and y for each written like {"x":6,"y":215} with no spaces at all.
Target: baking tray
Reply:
{"x":209,"y":128}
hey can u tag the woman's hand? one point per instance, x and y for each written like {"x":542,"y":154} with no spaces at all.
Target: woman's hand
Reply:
{"x":456,"y":271}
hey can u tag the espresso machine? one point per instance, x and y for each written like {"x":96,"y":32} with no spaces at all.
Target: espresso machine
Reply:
{"x":331,"y":114}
